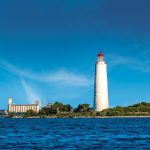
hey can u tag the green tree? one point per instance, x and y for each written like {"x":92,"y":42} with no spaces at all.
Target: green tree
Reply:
{"x":67,"y":108}
{"x":30,"y":113}
{"x":11,"y":114}
{"x":49,"y":111}
{"x":42,"y":112}
{"x":58,"y":106}
{"x":83,"y":108}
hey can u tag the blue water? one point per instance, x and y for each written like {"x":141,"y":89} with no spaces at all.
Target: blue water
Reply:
{"x":123,"y":133}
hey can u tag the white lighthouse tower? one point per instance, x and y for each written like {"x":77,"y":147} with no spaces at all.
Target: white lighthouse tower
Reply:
{"x":101,"y":85}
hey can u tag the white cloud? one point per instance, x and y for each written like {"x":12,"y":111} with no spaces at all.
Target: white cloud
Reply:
{"x":31,"y":95}
{"x":120,"y":60}
{"x":62,"y":84}
{"x":138,"y":63}
{"x":62,"y":76}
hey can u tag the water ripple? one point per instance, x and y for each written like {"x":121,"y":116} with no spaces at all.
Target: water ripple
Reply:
{"x":109,"y":133}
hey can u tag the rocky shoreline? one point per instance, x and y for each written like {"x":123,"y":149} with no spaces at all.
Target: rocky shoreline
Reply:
{"x":38,"y":117}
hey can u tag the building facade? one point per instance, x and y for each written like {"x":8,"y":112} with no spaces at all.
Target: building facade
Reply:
{"x":101,"y":85}
{"x":22,"y":108}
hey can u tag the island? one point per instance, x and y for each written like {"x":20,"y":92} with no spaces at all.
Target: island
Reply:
{"x":60,"y":110}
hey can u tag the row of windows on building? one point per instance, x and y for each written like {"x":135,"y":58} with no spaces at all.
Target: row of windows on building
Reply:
{"x":22,"y":108}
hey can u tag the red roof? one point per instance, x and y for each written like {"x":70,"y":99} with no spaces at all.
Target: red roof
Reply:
{"x":100,"y":54}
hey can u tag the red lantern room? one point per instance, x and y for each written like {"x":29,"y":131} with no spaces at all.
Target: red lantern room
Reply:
{"x":100,"y":57}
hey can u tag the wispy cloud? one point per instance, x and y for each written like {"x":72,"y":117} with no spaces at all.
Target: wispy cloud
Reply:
{"x":62,"y":84}
{"x":138,"y":63}
{"x":119,"y":60}
{"x":31,"y":95}
{"x":62,"y":76}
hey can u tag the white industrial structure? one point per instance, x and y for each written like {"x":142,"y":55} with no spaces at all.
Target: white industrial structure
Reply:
{"x":22,"y":108}
{"x":101,"y":85}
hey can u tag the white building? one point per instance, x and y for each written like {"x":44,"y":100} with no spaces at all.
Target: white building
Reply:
{"x":101,"y":85}
{"x":22,"y":108}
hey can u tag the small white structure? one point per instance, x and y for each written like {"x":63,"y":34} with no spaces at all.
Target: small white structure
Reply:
{"x":22,"y":108}
{"x":101,"y":85}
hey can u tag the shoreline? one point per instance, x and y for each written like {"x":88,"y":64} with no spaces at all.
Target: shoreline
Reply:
{"x":76,"y":117}
{"x":101,"y":117}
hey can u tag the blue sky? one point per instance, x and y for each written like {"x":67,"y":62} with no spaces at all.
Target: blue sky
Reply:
{"x":48,"y":50}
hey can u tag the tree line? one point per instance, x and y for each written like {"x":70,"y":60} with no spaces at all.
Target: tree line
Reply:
{"x":139,"y":109}
{"x":66,"y":110}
